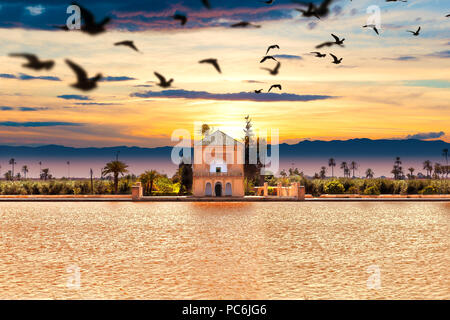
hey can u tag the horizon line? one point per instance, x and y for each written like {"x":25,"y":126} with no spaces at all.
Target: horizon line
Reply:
{"x":165,"y":146}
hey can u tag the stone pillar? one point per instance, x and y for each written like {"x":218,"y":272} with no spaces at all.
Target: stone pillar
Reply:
{"x":266,"y":189}
{"x":301,"y":193}
{"x":279,"y":189}
{"x":137,"y":191}
{"x":293,"y":190}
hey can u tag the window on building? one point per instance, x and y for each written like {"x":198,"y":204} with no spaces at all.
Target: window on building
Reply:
{"x":218,"y":169}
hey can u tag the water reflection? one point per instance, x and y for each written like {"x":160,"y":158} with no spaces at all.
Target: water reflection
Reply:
{"x":224,"y":250}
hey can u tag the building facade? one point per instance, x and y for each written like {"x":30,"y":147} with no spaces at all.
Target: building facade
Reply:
{"x":218,"y":169}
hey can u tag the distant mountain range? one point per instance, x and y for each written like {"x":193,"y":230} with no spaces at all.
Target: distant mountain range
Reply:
{"x":365,"y":148}
{"x":309,"y":156}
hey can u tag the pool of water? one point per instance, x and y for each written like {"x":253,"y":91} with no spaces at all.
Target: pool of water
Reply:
{"x":288,"y":250}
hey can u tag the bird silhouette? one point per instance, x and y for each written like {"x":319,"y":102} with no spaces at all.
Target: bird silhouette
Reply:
{"x":127,"y":43}
{"x":311,"y":11}
{"x":258,"y":91}
{"x":374,"y":27}
{"x":162,"y":81}
{"x":447,"y":15}
{"x":335,"y":59}
{"x":206,"y":4}
{"x":90,"y":26}
{"x":330,"y":43}
{"x":83,"y":82}
{"x":244,"y":24}
{"x":181,"y":17}
{"x":317,"y":11}
{"x":34,"y":62}
{"x":213,"y":62}
{"x":274,"y":46}
{"x":274,"y":71}
{"x":275,"y":86}
{"x":268,"y":1}
{"x":318,"y":54}
{"x":266,"y":58}
{"x":415,"y":33}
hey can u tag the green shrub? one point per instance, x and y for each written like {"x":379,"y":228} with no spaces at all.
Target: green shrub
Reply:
{"x":386,"y":186}
{"x":400,"y":187}
{"x":429,"y":190}
{"x":414,"y":186}
{"x":353,"y":190}
{"x":334,"y":187}
{"x":372,"y":190}
{"x":125,"y":187}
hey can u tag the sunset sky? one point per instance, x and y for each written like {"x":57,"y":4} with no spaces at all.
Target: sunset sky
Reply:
{"x":393,"y":85}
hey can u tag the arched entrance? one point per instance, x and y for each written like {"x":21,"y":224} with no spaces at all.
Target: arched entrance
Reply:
{"x":218,"y":189}
{"x":228,"y":191}
{"x":208,"y":189}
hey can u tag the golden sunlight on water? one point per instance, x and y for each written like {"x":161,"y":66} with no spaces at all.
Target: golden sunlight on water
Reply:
{"x":224,"y":250}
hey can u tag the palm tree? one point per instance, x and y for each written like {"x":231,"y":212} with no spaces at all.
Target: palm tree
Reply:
{"x":353,"y":167}
{"x":323,"y":171}
{"x":115,"y":168}
{"x":428,"y":166}
{"x":344,"y":167}
{"x":445,"y":154}
{"x":12,"y":162}
{"x":332,"y":164}
{"x":397,"y":169}
{"x":148,"y":179}
{"x":25,"y":171}
{"x":8,"y":175}
{"x":437,"y":170}
{"x":45,"y":174}
{"x":411,"y":174}
{"x":68,"y":169}
{"x":369,"y":173}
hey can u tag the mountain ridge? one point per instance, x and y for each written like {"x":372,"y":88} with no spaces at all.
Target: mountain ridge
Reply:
{"x":306,"y":148}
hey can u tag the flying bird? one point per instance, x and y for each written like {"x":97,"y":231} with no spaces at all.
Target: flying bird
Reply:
{"x":275,"y":86}
{"x":213,"y":62}
{"x":274,"y":71}
{"x":206,"y":4}
{"x":311,"y":11}
{"x":258,"y":91}
{"x":266,"y":58}
{"x":275,"y":46}
{"x":335,"y":59}
{"x":244,"y":24}
{"x":90,"y":26}
{"x":268,"y":1}
{"x":374,"y":27}
{"x":330,"y":43}
{"x":162,"y":81}
{"x":83,"y":82}
{"x":127,"y":43}
{"x":319,"y":55}
{"x":415,"y":33}
{"x":181,"y":17}
{"x":317,"y":11}
{"x":447,"y":15}
{"x":34,"y":62}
